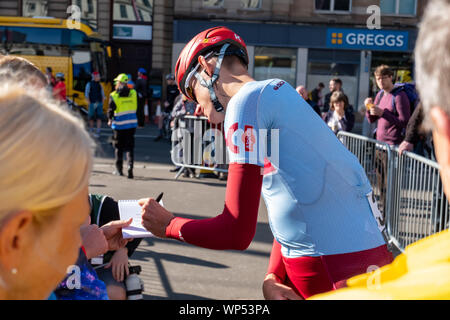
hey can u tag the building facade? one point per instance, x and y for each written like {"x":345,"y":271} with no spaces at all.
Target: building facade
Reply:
{"x":302,"y":41}
{"x":311,"y":41}
{"x":127,"y":26}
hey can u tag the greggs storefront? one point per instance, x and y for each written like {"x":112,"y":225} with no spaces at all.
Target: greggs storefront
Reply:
{"x":309,"y":54}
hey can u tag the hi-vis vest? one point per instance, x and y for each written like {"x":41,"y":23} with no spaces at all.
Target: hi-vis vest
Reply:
{"x":125,"y":113}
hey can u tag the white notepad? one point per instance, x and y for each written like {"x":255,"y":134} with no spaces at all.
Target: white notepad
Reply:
{"x":131,"y":209}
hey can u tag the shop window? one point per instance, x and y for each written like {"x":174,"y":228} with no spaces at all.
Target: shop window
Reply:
{"x":275,"y":63}
{"x":333,"y":6}
{"x":88,"y":11}
{"x":398,"y":7}
{"x":133,"y":10}
{"x":212,"y":3}
{"x":31,"y":8}
{"x":90,"y":6}
{"x":251,"y":4}
{"x":324,"y":65}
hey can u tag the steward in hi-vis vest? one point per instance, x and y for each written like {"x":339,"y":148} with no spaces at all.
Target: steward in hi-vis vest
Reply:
{"x":123,"y":121}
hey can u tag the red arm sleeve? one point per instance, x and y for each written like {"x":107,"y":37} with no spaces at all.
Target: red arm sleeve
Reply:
{"x":235,"y":227}
{"x":276,"y":265}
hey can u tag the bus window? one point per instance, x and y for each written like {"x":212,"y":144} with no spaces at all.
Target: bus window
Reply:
{"x":77,"y":39}
{"x":82,"y":69}
{"x":32,"y":41}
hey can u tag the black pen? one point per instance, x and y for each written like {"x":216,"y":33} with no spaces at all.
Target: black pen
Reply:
{"x":158,"y":199}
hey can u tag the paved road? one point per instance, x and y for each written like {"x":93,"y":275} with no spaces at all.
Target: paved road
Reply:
{"x":172,"y":269}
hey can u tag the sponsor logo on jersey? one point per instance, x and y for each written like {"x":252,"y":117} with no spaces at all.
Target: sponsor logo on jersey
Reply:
{"x":278,"y":85}
{"x":249,"y":138}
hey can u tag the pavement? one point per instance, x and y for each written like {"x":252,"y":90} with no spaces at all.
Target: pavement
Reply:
{"x":172,"y":269}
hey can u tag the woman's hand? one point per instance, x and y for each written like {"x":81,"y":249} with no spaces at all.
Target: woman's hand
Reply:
{"x":119,"y":265}
{"x":113,"y":233}
{"x":273,"y":289}
{"x":93,"y":240}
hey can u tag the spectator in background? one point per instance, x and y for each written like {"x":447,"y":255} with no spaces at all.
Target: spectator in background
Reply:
{"x":123,"y":120}
{"x":95,"y":96}
{"x":142,"y":91}
{"x":392,"y":113}
{"x":130,"y":82}
{"x":416,"y":140}
{"x":44,"y":180}
{"x":59,"y":90}
{"x":50,"y":78}
{"x":392,"y":117}
{"x":339,"y":118}
{"x":316,"y":95}
{"x":304,"y":93}
{"x":171,"y":93}
{"x":423,"y":270}
{"x":104,"y":212}
{"x":334,"y":85}
{"x":181,"y":108}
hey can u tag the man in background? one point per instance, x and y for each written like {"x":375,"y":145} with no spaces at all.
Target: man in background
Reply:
{"x":304,"y":94}
{"x":142,"y":91}
{"x":95,"y":96}
{"x":123,"y":120}
{"x":334,"y":85}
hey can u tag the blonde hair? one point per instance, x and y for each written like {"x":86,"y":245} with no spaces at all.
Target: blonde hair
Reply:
{"x":432,"y":57}
{"x":45,"y":152}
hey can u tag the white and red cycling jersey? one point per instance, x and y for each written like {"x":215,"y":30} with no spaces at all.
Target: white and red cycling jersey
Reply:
{"x":315,"y":190}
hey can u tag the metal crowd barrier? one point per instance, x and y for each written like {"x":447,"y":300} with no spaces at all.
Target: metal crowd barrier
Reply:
{"x":407,"y":187}
{"x":372,"y":155}
{"x":197,"y":144}
{"x":419,"y":207}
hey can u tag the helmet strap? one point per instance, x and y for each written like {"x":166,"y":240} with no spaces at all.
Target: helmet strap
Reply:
{"x":210,"y":83}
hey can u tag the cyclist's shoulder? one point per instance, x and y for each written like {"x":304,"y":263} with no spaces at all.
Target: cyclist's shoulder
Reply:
{"x":276,"y":87}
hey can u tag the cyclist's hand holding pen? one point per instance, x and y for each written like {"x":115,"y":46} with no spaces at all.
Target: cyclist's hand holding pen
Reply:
{"x":155,"y":218}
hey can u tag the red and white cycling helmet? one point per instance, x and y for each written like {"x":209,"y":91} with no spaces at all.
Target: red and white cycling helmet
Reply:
{"x":220,"y":41}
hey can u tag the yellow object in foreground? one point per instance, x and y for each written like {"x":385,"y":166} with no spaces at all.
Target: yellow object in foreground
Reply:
{"x":421,"y":272}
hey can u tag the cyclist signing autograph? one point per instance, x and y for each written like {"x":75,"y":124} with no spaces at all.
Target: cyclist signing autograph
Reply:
{"x":318,"y":197}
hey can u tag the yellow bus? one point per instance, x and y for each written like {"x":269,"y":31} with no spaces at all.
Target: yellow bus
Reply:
{"x":50,"y":42}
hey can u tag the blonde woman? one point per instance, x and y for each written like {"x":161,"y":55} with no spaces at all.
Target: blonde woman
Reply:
{"x":339,"y":117}
{"x":46,"y":160}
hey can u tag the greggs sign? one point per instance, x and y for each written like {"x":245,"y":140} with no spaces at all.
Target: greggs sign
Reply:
{"x":385,"y":40}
